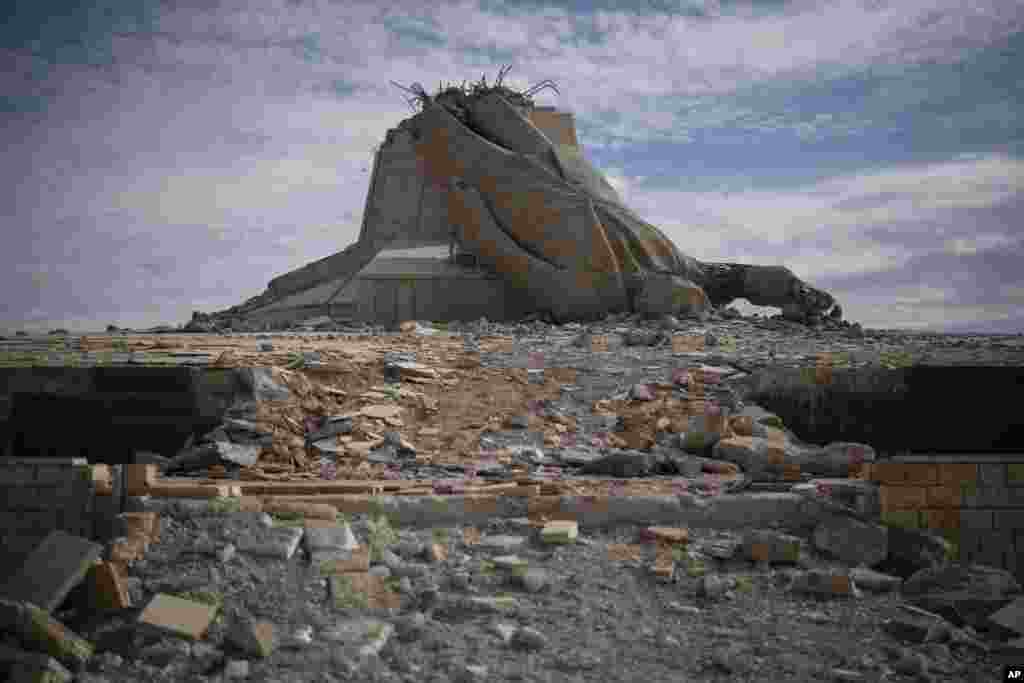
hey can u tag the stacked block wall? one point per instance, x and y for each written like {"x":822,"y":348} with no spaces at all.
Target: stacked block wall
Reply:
{"x":978,"y":506}
{"x":38,"y":495}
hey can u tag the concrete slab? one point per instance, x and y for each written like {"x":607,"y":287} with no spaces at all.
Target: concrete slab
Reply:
{"x":55,"y":567}
{"x":175,"y":616}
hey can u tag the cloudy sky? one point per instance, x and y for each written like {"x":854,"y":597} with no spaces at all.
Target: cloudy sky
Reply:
{"x":161,"y":158}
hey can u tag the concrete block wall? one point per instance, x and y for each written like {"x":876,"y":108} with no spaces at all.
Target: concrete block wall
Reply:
{"x":38,"y":495}
{"x":977,"y":505}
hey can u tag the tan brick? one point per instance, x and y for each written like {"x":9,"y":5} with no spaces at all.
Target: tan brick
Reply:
{"x":254,"y":638}
{"x":903,"y":473}
{"x":954,"y":473}
{"x":947,"y":496}
{"x":356,"y":589}
{"x":125,"y":550}
{"x":180,"y":617}
{"x":543,"y":505}
{"x":903,"y":498}
{"x":470,"y":535}
{"x":142,"y":524}
{"x":107,"y":588}
{"x":665,"y":569}
{"x":668,"y":534}
{"x":139,"y":478}
{"x":943,"y":518}
{"x":480,"y":504}
{"x":250,"y":504}
{"x":624,"y":552}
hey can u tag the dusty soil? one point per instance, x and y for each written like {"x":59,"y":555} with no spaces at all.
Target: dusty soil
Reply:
{"x":602,"y":617}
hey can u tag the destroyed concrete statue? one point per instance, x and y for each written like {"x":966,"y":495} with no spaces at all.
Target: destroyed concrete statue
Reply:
{"x":514,"y":189}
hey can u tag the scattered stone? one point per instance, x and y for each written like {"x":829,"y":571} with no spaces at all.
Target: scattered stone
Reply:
{"x":529,"y":638}
{"x":964,"y":593}
{"x":852,"y":541}
{"x":503,"y":543}
{"x":253,"y":638}
{"x":874,"y":581}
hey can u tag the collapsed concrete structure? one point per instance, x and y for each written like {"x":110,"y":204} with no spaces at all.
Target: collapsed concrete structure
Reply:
{"x":483,"y":205}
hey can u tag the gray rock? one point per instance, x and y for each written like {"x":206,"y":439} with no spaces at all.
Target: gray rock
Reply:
{"x":962,"y":593}
{"x":874,"y":581}
{"x":911,"y":550}
{"x":528,"y":638}
{"x":504,"y":543}
{"x":851,"y":541}
{"x":410,"y":627}
{"x":714,"y":586}
{"x":535,"y":580}
{"x":622,"y":464}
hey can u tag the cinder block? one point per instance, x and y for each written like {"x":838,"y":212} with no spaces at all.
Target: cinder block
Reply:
{"x":942,"y":518}
{"x":992,"y":474}
{"x":993,"y":546}
{"x":1008,"y":519}
{"x":943,"y":496}
{"x":107,"y":587}
{"x":986,"y":497}
{"x":903,"y":497}
{"x":976,"y":519}
{"x":17,"y":475}
{"x":27,"y":498}
{"x":1015,"y":497}
{"x":954,"y":473}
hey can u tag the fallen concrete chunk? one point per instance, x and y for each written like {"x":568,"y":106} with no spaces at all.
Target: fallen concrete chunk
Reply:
{"x":32,"y":667}
{"x":277,"y":542}
{"x":37,"y":630}
{"x":56,"y":566}
{"x":824,"y":582}
{"x":852,"y":541}
{"x":254,"y":638}
{"x":765,"y":545}
{"x":874,"y":581}
{"x":329,"y":537}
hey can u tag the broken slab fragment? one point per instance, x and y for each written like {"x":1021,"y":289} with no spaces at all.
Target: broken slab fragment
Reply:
{"x":56,"y":566}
